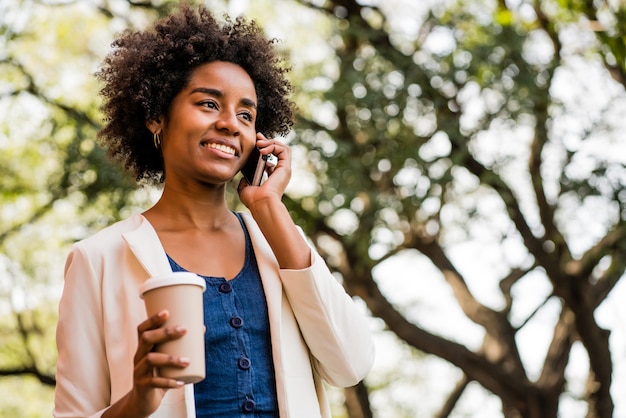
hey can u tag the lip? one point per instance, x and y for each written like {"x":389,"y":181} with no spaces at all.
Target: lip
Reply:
{"x":221,"y":145}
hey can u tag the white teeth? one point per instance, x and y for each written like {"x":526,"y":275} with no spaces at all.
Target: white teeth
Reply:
{"x":223,"y":148}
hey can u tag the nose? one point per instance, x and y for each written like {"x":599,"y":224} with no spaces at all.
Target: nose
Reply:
{"x":227,"y":122}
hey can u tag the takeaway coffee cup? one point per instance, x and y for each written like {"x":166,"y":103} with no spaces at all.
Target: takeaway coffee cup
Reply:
{"x":181,"y":294}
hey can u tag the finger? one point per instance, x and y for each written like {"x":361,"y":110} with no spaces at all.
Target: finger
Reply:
{"x":279,"y":149}
{"x":276,"y":154}
{"x":145,"y":373}
{"x":153,"y":360}
{"x":158,"y":382}
{"x":164,"y":334}
{"x":165,"y":383}
{"x":268,"y":146}
{"x":153,"y":322}
{"x":148,"y":339}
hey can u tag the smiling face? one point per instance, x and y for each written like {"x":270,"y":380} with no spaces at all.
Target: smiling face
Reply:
{"x":210,"y":129}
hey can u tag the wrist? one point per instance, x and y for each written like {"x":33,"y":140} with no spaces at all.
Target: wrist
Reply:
{"x":125,"y":407}
{"x":267,"y":208}
{"x":289,"y":246}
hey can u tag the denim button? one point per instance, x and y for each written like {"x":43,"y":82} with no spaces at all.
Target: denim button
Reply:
{"x":236,"y":322}
{"x":225,"y":287}
{"x":248,"y":405}
{"x":244,"y":363}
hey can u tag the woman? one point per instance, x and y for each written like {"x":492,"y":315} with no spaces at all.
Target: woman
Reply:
{"x":183,"y":102}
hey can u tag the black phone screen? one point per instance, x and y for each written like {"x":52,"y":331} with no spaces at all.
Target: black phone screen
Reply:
{"x":254,"y":168}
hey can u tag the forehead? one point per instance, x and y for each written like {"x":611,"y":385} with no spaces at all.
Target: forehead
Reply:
{"x":226,"y":76}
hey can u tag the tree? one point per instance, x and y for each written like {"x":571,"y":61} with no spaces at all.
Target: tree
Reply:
{"x":56,"y":185}
{"x":438,"y":134}
{"x":459,"y":129}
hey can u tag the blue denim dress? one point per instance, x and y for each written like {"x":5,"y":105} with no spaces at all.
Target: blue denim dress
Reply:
{"x":240,"y":380}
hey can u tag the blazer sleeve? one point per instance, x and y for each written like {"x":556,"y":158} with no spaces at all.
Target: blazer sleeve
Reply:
{"x":336,"y":331}
{"x":82,"y":378}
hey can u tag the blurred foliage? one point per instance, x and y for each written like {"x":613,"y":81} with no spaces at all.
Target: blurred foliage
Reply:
{"x":463,"y":136}
{"x":469,"y":139}
{"x":56,"y":185}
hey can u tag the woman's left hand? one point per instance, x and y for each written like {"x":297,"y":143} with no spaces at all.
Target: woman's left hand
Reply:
{"x":278,"y":175}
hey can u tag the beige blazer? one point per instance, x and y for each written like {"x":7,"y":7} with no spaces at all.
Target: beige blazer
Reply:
{"x":317,"y":332}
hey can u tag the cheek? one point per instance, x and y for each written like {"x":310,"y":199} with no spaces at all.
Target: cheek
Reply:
{"x":249,"y":144}
{"x":184,"y":129}
{"x":186,"y":116}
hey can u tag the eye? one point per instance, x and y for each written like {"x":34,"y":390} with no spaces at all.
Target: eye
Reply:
{"x":211,"y":104}
{"x":247,"y":116}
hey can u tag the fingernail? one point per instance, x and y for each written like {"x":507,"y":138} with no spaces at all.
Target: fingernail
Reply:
{"x":162,"y":314}
{"x":184,"y":360}
{"x":180,"y":383}
{"x":180,"y":328}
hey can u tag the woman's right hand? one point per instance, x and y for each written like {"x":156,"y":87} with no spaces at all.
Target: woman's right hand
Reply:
{"x":149,"y":388}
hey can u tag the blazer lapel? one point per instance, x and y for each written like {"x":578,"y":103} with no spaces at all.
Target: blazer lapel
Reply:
{"x":146,"y":246}
{"x":268,"y":269}
{"x":273,"y":288}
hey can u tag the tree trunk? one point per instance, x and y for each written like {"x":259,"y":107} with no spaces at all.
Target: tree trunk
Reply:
{"x":357,"y":401}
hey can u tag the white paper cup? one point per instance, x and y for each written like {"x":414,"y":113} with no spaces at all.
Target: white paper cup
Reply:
{"x":181,"y":294}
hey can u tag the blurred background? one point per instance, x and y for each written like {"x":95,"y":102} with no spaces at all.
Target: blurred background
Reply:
{"x":459,"y":163}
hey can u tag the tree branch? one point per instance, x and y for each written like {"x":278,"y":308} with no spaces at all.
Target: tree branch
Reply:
{"x":45,"y":379}
{"x":552,"y":376}
{"x":453,"y":398}
{"x":357,"y":401}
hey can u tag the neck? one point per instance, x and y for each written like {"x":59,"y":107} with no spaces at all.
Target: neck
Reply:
{"x":178,"y":209}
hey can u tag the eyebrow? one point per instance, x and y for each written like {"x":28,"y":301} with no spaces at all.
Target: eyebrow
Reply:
{"x":218,"y":93}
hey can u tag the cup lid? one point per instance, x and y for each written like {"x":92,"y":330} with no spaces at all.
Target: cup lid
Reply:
{"x":171,"y":279}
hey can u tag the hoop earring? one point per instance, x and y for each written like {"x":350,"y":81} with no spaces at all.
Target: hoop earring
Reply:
{"x":156,"y":140}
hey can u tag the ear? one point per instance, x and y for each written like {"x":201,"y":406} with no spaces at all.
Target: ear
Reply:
{"x":154,"y":125}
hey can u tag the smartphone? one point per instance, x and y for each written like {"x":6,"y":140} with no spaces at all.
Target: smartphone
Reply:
{"x":254,"y":168}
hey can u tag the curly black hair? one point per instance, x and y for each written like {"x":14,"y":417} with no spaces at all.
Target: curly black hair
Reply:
{"x":147,"y":69}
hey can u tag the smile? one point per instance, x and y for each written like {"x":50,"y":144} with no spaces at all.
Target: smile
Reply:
{"x":220,"y":147}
